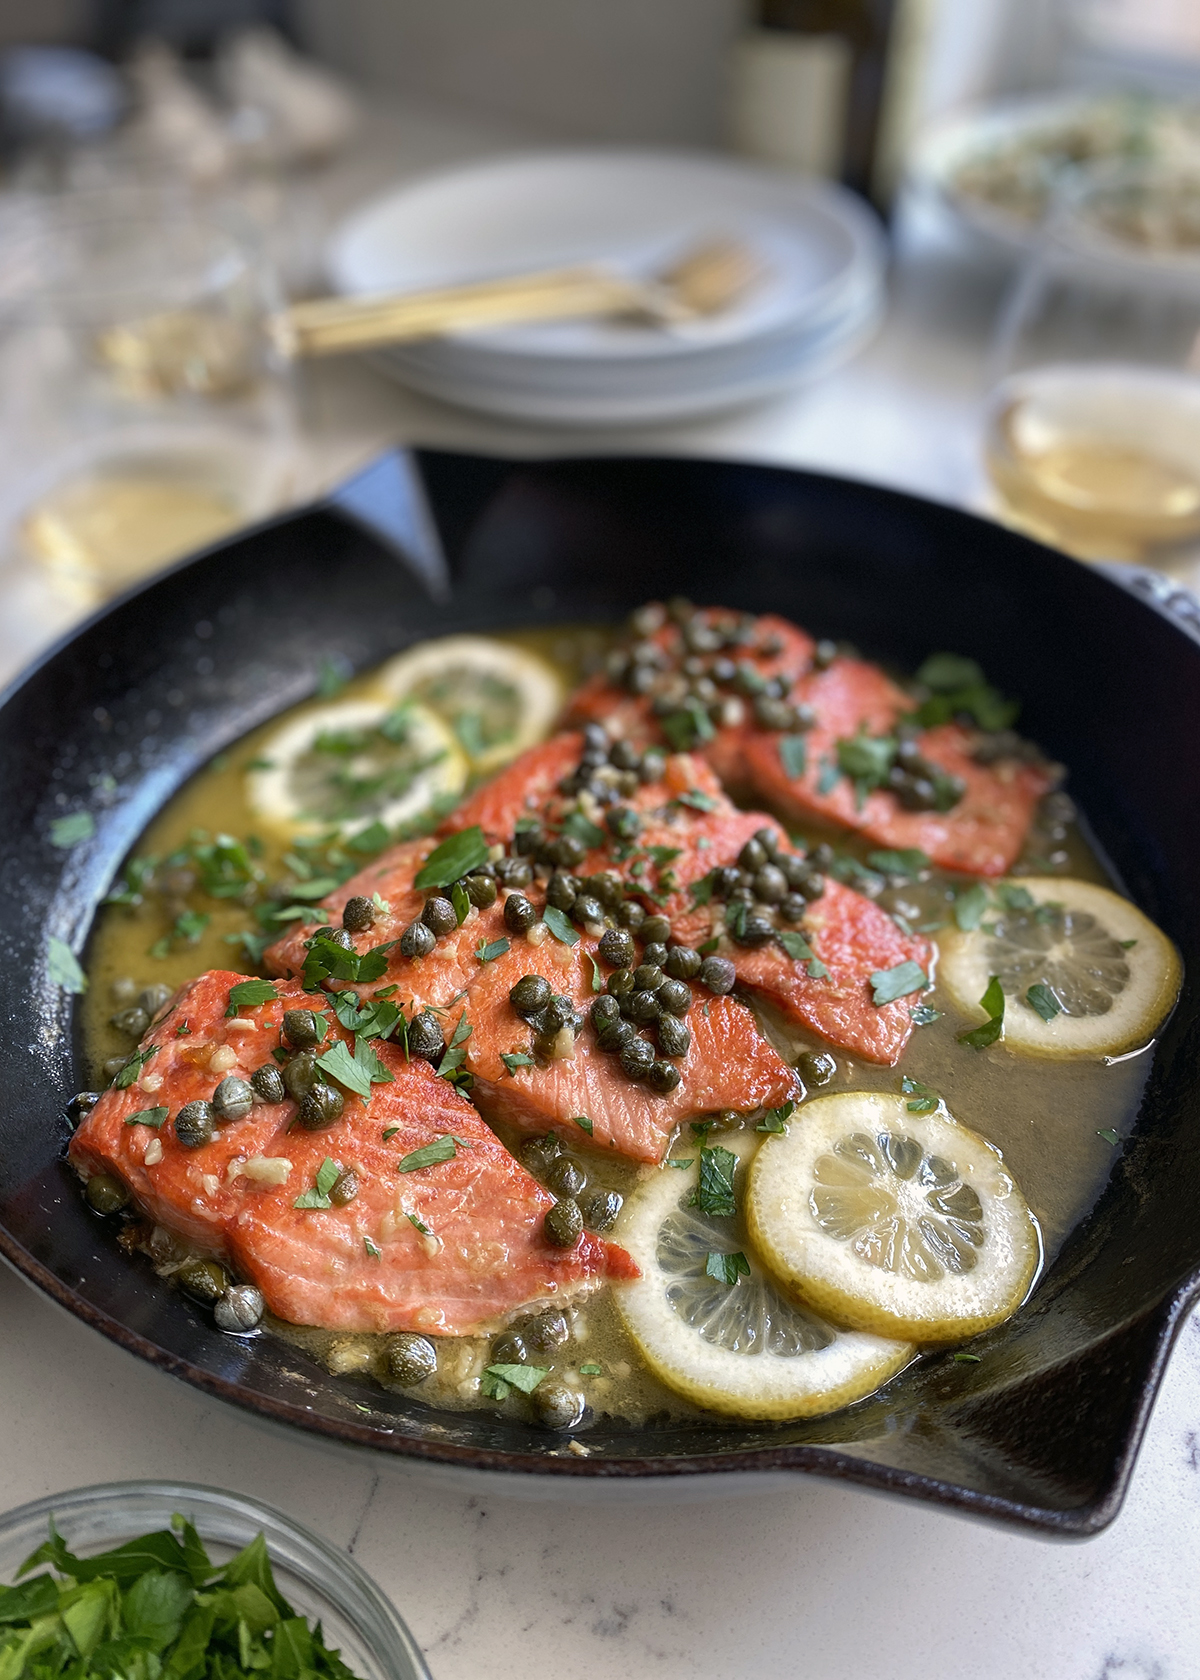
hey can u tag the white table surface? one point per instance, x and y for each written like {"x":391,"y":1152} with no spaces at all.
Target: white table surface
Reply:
{"x":819,"y":1581}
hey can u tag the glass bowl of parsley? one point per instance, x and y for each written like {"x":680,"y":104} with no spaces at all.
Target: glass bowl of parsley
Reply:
{"x":164,"y":1581}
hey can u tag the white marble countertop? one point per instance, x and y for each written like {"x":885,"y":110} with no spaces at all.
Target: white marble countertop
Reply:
{"x":819,"y":1581}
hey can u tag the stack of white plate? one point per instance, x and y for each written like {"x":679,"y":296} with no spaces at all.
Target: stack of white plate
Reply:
{"x":820,"y":297}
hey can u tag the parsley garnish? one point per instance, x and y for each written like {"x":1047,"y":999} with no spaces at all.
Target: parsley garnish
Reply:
{"x":134,"y":1066}
{"x":663,"y":855}
{"x":909,"y":862}
{"x":373,"y":1253}
{"x":430,"y":1155}
{"x":702,"y":890}
{"x":1042,"y":1000}
{"x":992,"y":1003}
{"x":62,"y":967}
{"x":560,"y":926}
{"x":888,"y":984}
{"x":727,"y":1268}
{"x":581,"y":829}
{"x":796,"y":946}
{"x":1014,"y":899}
{"x":697,"y":801}
{"x":514,"y":1059}
{"x":969,"y":906}
{"x":967,"y":1358}
{"x":923,"y":1016}
{"x":249,"y":994}
{"x":328,"y":1174}
{"x":1109,"y":1136}
{"x":714,"y":1193}
{"x":489,"y":952}
{"x":453,"y":859}
{"x":959,"y":686}
{"x":1127,"y":944}
{"x":147,"y":1117}
{"x":456,"y":1053}
{"x":584,"y":1124}
{"x":776,"y":1119}
{"x":357,"y":1072}
{"x":498,"y":1381}
{"x":828,"y":779}
{"x":590,"y":1370}
{"x":461,"y":900}
{"x":68,"y":831}
{"x":682,"y":1165}
{"x":418,"y":1224}
{"x":689,"y":726}
{"x":326,"y":960}
{"x":924,"y":1098}
{"x":793,"y":755}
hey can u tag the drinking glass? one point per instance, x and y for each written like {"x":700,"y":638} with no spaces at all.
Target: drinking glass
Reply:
{"x":1093,"y":423}
{"x":141,"y":411}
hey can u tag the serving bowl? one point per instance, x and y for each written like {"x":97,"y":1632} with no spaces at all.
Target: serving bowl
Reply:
{"x":1043,"y":1431}
{"x":321,"y":1582}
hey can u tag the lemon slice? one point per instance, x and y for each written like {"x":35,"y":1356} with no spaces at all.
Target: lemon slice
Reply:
{"x":1111,"y":975}
{"x":352,"y":763}
{"x":896,"y":1223}
{"x":497,"y":698}
{"x":741,"y":1348}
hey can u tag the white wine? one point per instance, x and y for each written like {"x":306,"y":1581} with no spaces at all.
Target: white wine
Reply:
{"x":1102,"y":460}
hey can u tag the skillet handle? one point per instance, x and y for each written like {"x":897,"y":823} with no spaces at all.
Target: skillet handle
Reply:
{"x":1176,"y":602}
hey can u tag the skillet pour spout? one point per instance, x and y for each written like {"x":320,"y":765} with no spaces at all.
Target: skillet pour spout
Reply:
{"x":1042,"y":1432}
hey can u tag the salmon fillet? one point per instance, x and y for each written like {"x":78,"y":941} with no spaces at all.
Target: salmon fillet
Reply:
{"x":729,"y":1064}
{"x":519,"y":790}
{"x":312,"y":1265}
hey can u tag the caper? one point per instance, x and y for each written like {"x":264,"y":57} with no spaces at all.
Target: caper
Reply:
{"x":106,"y":1194}
{"x":565,"y":852}
{"x":624,"y":755}
{"x":812,"y":886}
{"x":673,"y":1037}
{"x":604,"y":1009}
{"x":358,"y":914}
{"x":240,"y":1309}
{"x":563,"y":890}
{"x":587,"y":911}
{"x":154,"y":998}
{"x":620,"y":984}
{"x":81,"y":1105}
{"x":417,"y":940}
{"x":636,"y":1056}
{"x":617,"y":948}
{"x":537,"y":1153}
{"x":409,"y":1358}
{"x":526,"y":841}
{"x":564,"y":1224}
{"x":131,"y":1022}
{"x":556,"y":1406}
{"x":233,"y":1098}
{"x":718,"y":974}
{"x":655,"y":930}
{"x":770,"y":884}
{"x":642,"y":1007}
{"x":543,"y":1332}
{"x":792,"y":907}
{"x":773,"y":713}
{"x":821,"y":855}
{"x":674,"y":996}
{"x":600,"y":1210}
{"x":615,"y":1033}
{"x":426,"y":1038}
{"x":320,"y":1107}
{"x":301,"y":1074}
{"x":605,"y":886}
{"x":648,"y":977}
{"x":824,"y":655}
{"x":267,"y":1083}
{"x":663,"y":1077}
{"x":338,"y":936}
{"x":344,"y":1188}
{"x":514,"y":871}
{"x":439,"y":916}
{"x":481,"y":890}
{"x":195,"y":1124}
{"x":682,"y":962}
{"x":752,"y":856}
{"x":565,"y":1177}
{"x":530,"y":995}
{"x":816,"y":1067}
{"x":595,"y":739}
{"x":725,"y":880}
{"x":653,"y":766}
{"x":203,"y":1280}
{"x":623,"y":821}
{"x":519,"y":914}
{"x":631,"y":914}
{"x":754,"y":931}
{"x":769,"y":841}
{"x":509,"y":1349}
{"x":111,"y":1066}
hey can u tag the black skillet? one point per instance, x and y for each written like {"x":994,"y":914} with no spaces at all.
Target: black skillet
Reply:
{"x":1041,"y":1433}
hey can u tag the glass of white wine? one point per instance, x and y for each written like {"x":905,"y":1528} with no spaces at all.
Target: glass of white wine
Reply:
{"x":1093,"y":422}
{"x":141,"y":413}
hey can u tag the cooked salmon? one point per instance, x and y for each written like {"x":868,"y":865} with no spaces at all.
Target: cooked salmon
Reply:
{"x":486,"y":1256}
{"x":521,"y":789}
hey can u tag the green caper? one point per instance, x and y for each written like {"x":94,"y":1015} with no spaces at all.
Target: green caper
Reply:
{"x":675,"y":996}
{"x":770,"y":884}
{"x":439,"y":916}
{"x":600,"y":1210}
{"x":563,"y":890}
{"x":409,"y":1359}
{"x":81,"y":1105}
{"x":538,"y":1152}
{"x":607,"y":887}
{"x":155,"y":998}
{"x":604,"y":1011}
{"x":587,"y":911}
{"x":509,"y":1349}
{"x":556,"y":1406}
{"x":543,"y":1332}
{"x":301,"y":1028}
{"x":530,"y":995}
{"x":426,"y":1038}
{"x":623,"y":821}
{"x":655,"y":955}
{"x":527,"y":840}
{"x":624,"y":756}
{"x":240,"y":1309}
{"x":565,"y":1177}
{"x":620,"y":984}
{"x":559,"y":1012}
{"x":339,"y":937}
{"x":564,"y":1223}
{"x":816,"y":1067}
{"x":718,"y":974}
{"x":195,"y":1124}
{"x":301,"y":1074}
{"x":267,"y":1083}
{"x":673,"y":1037}
{"x":752,"y":856}
{"x":417,"y":940}
{"x":519,"y":914}
{"x":106,"y":1194}
{"x":769,"y":841}
{"x":641,"y":1007}
{"x":663,"y":1077}
{"x":514,"y":872}
{"x":203,"y":1280}
{"x":481,"y":890}
{"x":131,"y":1023}
{"x":655,"y":930}
{"x":233,"y":1098}
{"x":358,"y":914}
{"x":615,"y":1033}
{"x":565,"y":851}
{"x":320,"y":1107}
{"x":637,"y":1057}
{"x":793,"y":907}
{"x":344,"y":1188}
{"x":631,"y":914}
{"x":752,"y":932}
{"x":653,"y":766}
{"x":647,"y":977}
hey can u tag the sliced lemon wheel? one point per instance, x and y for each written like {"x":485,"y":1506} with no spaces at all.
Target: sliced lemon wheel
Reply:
{"x":890,"y":1222}
{"x":497,"y":698}
{"x":352,"y":763}
{"x":742,"y":1348}
{"x":1110,"y":975}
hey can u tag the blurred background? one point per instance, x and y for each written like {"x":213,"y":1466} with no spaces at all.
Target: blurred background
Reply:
{"x":959,"y":252}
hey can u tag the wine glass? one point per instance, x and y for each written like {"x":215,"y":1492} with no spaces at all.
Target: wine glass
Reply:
{"x":1093,"y":422}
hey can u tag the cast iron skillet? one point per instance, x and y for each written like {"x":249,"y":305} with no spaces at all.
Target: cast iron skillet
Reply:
{"x":1043,"y":1431}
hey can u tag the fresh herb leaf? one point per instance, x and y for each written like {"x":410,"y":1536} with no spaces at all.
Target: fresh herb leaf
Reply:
{"x":708,"y":947}
{"x":776,"y":1119}
{"x":701,"y":1128}
{"x":969,"y":906}
{"x":1042,"y":1000}
{"x":489,"y":952}
{"x":1127,"y":944}
{"x":514,"y":1059}
{"x":418,"y":1224}
{"x":584,"y":1124}
{"x":817,"y":970}
{"x":1014,"y":899}
{"x":1109,"y":1136}
{"x":147,"y":1117}
{"x":581,"y":829}
{"x":368,"y":840}
{"x":924,"y":1098}
{"x":62,"y":967}
{"x":689,"y":726}
{"x":560,"y":926}
{"x":456,"y":1053}
{"x":453,"y":859}
{"x":373,"y":1253}
{"x":796,"y":946}
{"x":727,"y":1268}
{"x":923,"y":1016}
{"x":682,"y":1165}
{"x":992,"y":1003}
{"x":590,"y":1370}
{"x":523,"y":1377}
{"x":793,"y":755}
{"x":339,"y":1064}
{"x":133,"y":1067}
{"x":461,"y":901}
{"x":390,"y":1132}
{"x":597,"y":977}
{"x":697,"y":801}
{"x":829,"y":777}
{"x":866,"y":760}
{"x":68,"y":831}
{"x":959,"y":686}
{"x":909,"y":862}
{"x":430,"y":1155}
{"x":661,"y":856}
{"x":714,"y":1193}
{"x":967,"y":1358}
{"x":328,"y":1174}
{"x":249,"y":994}
{"x":888,"y":984}
{"x":702,"y":890}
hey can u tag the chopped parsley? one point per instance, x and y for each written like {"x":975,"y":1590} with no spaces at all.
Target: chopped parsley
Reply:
{"x":967,"y":1358}
{"x":327,"y":960}
{"x":456,"y":1053}
{"x":582,"y":829}
{"x":328,"y":1174}
{"x":682,"y":1165}
{"x":909,"y":862}
{"x":714,"y":1193}
{"x":249,"y":994}
{"x":418,"y":1224}
{"x":134,"y":1066}
{"x":888,"y":984}
{"x":922,"y":1015}
{"x":689,"y":726}
{"x":514,"y":1059}
{"x":1042,"y":1001}
{"x":560,"y":926}
{"x":430,"y":1155}
{"x":584,"y":1124}
{"x":727,"y":1268}
{"x":923,"y":1098}
{"x":373,"y":1253}
{"x":702,"y":890}
{"x":590,"y":1370}
{"x":697,"y":801}
{"x":461,"y":900}
{"x":992,"y":1003}
{"x":68,"y":831}
{"x":776,"y":1119}
{"x":498,"y":1381}
{"x":147,"y":1117}
{"x":390,"y":1132}
{"x":970,"y":905}
{"x":959,"y":687}
{"x":796,"y":946}
{"x":1109,"y":1136}
{"x":357,"y":1071}
{"x":488,"y":952}
{"x":453,"y":859}
{"x":62,"y":967}
{"x":793,"y":755}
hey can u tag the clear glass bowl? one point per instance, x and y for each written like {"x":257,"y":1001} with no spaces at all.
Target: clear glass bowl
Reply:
{"x":321,"y":1581}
